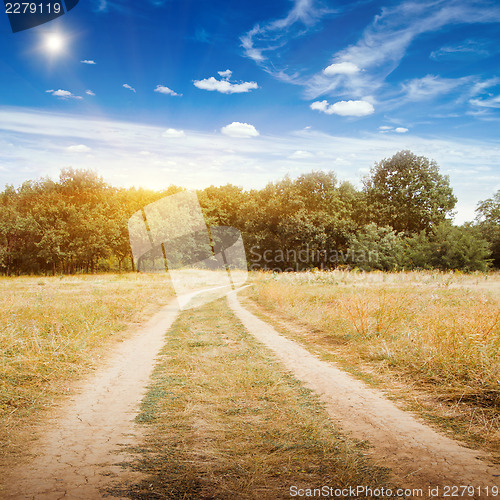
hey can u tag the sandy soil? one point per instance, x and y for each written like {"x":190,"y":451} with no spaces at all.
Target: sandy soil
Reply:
{"x":418,"y":456}
{"x":80,"y":448}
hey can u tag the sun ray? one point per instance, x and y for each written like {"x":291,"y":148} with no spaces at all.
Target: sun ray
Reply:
{"x":54,"y":43}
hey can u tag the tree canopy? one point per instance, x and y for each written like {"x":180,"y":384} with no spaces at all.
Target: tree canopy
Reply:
{"x":488,"y":219}
{"x":79,"y":223}
{"x":408,"y":193}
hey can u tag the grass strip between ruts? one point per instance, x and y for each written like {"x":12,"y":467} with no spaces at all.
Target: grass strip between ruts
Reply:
{"x":225,"y":421}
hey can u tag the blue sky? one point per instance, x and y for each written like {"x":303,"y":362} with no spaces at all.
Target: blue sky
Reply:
{"x":197,"y":92}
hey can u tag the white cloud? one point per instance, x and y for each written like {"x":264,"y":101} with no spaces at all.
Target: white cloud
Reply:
{"x":165,"y":90}
{"x":127,"y":86}
{"x":272,"y":35}
{"x":342,"y":68}
{"x":224,"y":86}
{"x":384,"y":129}
{"x":78,"y":148}
{"x":431,"y":86}
{"x":240,"y":130}
{"x":344,"y":108}
{"x":385,"y":41}
{"x":88,"y":61}
{"x":89,"y":92}
{"x":301,"y":155}
{"x":466,"y":49}
{"x":225,"y":74}
{"x":322,"y":106}
{"x":492,"y":102}
{"x":352,"y":108}
{"x":172,"y":132}
{"x":482,"y":85}
{"x":64,"y":94}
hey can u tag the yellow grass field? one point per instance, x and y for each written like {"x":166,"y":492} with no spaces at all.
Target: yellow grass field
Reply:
{"x":53,"y":330}
{"x":437,"y":331}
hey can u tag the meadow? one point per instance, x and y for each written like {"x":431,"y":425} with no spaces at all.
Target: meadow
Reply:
{"x":54,"y":330}
{"x":434,"y":335}
{"x":430,"y":340}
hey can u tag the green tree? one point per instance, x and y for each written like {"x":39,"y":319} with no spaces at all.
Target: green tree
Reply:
{"x":52,"y":217}
{"x":376,"y":247}
{"x":408,"y":193}
{"x":19,"y":230}
{"x":311,"y":215}
{"x":449,"y":247}
{"x":488,"y":220}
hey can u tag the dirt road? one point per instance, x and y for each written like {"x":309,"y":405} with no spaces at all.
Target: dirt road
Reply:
{"x":78,"y":453}
{"x":418,"y":456}
{"x":78,"y":456}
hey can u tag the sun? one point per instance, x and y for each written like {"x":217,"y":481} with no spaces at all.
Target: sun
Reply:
{"x":54,"y":43}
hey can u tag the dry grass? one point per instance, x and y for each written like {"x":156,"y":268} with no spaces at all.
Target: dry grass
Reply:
{"x":439,"y":330}
{"x":53,"y":330}
{"x":225,"y":422}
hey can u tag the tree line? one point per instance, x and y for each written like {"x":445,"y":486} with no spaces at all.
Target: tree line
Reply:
{"x":399,"y":219}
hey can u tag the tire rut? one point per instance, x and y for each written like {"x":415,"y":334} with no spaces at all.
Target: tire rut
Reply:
{"x":418,"y":456}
